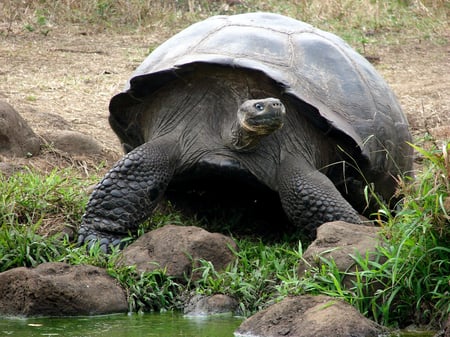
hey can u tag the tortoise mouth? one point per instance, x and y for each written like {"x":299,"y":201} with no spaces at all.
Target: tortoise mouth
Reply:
{"x":265,"y":123}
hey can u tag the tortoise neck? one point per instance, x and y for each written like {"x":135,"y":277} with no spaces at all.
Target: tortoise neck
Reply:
{"x":242,"y":139}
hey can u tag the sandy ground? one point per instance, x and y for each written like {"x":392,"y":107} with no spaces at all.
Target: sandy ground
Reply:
{"x":65,"y":80}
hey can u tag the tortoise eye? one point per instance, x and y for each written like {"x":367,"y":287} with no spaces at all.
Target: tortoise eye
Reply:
{"x":259,"y":106}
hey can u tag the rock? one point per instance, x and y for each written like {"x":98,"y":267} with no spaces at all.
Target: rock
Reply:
{"x":59,"y":289}
{"x":309,"y":316}
{"x":16,"y":137}
{"x":337,"y":240}
{"x":176,"y":248}
{"x":73,"y":142}
{"x":200,"y":305}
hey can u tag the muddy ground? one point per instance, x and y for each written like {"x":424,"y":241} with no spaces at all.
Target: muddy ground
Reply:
{"x":64,"y":80}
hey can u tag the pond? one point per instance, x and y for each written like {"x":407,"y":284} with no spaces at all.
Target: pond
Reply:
{"x":134,"y":325}
{"x":169,"y":324}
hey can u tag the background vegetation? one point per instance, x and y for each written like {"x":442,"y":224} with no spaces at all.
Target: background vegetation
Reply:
{"x":358,"y":21}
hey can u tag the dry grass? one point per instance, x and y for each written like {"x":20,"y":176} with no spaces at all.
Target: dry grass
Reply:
{"x":366,"y":16}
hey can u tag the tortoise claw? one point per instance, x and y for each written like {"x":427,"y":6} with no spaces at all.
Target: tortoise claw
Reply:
{"x":89,"y":237}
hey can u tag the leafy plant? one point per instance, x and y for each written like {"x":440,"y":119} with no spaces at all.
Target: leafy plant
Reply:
{"x":148,"y":291}
{"x":20,"y":246}
{"x":411,"y":285}
{"x":30,"y":203}
{"x":254,"y":277}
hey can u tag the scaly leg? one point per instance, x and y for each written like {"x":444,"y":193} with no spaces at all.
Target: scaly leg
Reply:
{"x":310,"y":199}
{"x":128,"y":194}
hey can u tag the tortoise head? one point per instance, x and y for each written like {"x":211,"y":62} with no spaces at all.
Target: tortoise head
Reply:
{"x":257,"y":118}
{"x":261,"y":116}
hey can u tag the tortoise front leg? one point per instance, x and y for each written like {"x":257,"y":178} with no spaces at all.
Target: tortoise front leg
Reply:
{"x":128,"y":194}
{"x":310,"y":199}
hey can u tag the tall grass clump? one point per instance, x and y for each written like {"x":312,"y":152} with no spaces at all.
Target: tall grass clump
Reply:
{"x":28,"y":196}
{"x":33,"y":208}
{"x":20,"y":246}
{"x":417,"y":246}
{"x":255,"y":275}
{"x":409,"y":279}
{"x":148,"y":291}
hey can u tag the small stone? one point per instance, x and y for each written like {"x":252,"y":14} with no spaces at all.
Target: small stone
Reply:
{"x":200,"y":305}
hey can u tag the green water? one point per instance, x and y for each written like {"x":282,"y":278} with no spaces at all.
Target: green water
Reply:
{"x":148,"y":325}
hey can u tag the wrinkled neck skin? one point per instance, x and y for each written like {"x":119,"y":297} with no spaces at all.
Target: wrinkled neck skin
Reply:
{"x":242,"y":139}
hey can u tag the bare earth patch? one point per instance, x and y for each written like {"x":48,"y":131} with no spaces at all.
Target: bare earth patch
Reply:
{"x":418,"y":72}
{"x":64,"y":81}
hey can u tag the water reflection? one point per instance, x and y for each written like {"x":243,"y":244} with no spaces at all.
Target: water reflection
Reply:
{"x":148,"y":325}
{"x":169,"y":324}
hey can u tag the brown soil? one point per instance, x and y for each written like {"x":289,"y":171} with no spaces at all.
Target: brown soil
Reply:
{"x":65,"y":80}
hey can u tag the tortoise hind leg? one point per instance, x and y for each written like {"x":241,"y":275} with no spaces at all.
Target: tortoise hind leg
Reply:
{"x":310,"y":199}
{"x":127,"y":194}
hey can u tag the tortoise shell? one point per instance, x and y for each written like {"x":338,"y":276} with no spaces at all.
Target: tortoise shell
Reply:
{"x":311,"y":65}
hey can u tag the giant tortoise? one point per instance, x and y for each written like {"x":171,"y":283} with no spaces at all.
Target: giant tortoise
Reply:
{"x":258,"y":98}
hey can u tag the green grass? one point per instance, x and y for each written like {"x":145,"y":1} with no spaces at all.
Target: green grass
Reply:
{"x":254,"y":278}
{"x":29,"y":196}
{"x":411,"y":285}
{"x":32,"y":205}
{"x":151,"y":291}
